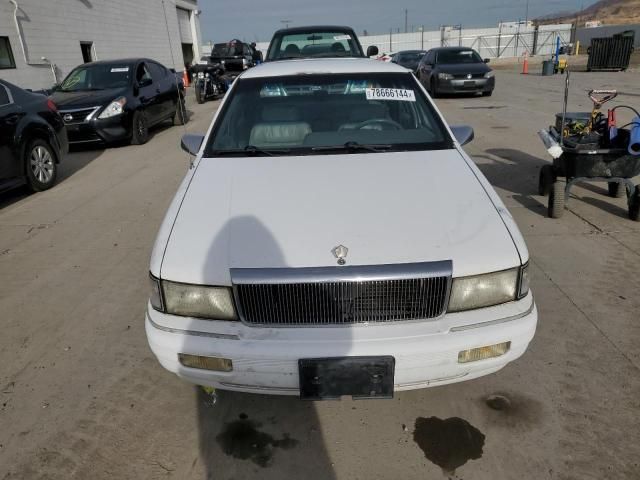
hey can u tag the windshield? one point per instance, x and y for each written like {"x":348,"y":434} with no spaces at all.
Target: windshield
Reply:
{"x":230,"y":49}
{"x":458,"y":56}
{"x":314,"y":45}
{"x":97,"y":77}
{"x":300,"y":115}
{"x":410,"y":57}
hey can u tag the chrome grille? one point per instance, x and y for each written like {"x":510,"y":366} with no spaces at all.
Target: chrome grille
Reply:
{"x":71,"y":117}
{"x":352,"y":300}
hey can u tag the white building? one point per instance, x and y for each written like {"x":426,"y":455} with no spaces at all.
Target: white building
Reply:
{"x":43,"y":39}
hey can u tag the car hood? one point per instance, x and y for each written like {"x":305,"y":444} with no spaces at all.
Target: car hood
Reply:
{"x":386,"y":208}
{"x":458,"y":68}
{"x":82,"y":99}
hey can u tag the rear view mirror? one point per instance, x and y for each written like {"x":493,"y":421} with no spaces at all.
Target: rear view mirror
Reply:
{"x":145,"y":82}
{"x":462,"y":133}
{"x":191,"y":143}
{"x":372,"y":50}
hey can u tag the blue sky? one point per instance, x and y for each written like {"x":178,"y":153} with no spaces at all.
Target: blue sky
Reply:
{"x":253,"y":20}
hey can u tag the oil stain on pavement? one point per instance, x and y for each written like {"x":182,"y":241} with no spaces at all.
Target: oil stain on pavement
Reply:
{"x":241,"y":439}
{"x":448,"y":443}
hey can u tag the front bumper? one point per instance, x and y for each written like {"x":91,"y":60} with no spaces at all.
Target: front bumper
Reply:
{"x":108,"y":130}
{"x":463,"y":85}
{"x":265,"y":360}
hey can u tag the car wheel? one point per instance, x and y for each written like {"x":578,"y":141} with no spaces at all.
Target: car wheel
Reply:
{"x":634,"y":205}
{"x":41,"y":166}
{"x":617,"y":190}
{"x":180,"y":117}
{"x":432,"y":88}
{"x":487,"y":94}
{"x":545,"y":180}
{"x":140,"y":129}
{"x":556,"y":199}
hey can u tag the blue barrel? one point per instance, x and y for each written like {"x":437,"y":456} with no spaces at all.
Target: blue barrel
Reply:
{"x":634,"y":138}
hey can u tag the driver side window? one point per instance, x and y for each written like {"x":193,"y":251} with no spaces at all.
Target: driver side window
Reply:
{"x":143,"y":76}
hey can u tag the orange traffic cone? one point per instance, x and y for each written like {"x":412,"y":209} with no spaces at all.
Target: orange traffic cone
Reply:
{"x":185,"y":78}
{"x":525,"y":66}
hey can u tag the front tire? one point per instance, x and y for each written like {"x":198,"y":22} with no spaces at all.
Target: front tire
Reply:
{"x":180,"y":117}
{"x":199,"y":95}
{"x":140,"y":129}
{"x":40,"y":164}
{"x":617,"y":190}
{"x":487,"y":94}
{"x":433,"y":90}
{"x":634,"y":205}
{"x":555,"y":208}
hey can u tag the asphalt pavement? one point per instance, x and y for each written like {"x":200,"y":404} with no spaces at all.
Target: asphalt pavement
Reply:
{"x":81,"y":395}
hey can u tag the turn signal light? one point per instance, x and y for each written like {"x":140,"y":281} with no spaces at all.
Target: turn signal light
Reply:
{"x":206,"y":363}
{"x":482,"y":353}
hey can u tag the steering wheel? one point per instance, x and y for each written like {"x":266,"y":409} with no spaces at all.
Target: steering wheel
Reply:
{"x":371,"y":124}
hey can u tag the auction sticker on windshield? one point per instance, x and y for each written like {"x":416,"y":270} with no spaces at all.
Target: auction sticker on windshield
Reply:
{"x":119,"y":69}
{"x":342,"y":37}
{"x":390,"y":94}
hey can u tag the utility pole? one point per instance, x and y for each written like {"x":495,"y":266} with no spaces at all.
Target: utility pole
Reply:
{"x":526,"y":14}
{"x":406,"y":20}
{"x":286,"y":23}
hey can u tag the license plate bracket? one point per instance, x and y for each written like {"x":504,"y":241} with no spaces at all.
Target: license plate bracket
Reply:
{"x":359,"y":377}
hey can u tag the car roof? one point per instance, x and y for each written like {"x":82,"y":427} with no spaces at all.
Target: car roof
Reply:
{"x":451,"y":49}
{"x":120,"y":61}
{"x":411,"y":51}
{"x":314,"y":28}
{"x":322,"y":66}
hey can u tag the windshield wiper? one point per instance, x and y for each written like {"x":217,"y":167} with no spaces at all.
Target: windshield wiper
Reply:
{"x":252,"y":150}
{"x":354,"y":147}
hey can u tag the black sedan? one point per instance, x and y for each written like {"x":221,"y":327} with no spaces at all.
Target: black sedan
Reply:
{"x":409,"y":59}
{"x":33,"y":139}
{"x":455,"y":70}
{"x":118,"y":100}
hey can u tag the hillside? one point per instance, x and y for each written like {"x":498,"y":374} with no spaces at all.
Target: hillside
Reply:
{"x":609,"y":12}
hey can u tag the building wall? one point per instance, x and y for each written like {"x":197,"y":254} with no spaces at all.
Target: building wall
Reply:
{"x":117,"y":28}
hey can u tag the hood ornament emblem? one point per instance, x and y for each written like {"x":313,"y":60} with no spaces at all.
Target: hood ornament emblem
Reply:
{"x":469,"y":75}
{"x":68,"y":117}
{"x":340,"y":252}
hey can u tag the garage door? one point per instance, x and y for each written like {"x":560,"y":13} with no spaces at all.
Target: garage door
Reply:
{"x":184,"y":25}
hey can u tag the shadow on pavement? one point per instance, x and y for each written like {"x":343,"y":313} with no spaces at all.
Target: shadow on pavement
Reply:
{"x":514,"y":171}
{"x":77,"y":158}
{"x":247,"y":436}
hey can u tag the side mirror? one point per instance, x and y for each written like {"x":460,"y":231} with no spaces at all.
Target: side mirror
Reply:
{"x":191,"y":143}
{"x":372,"y":50}
{"x":462,"y":133}
{"x":487,"y":60}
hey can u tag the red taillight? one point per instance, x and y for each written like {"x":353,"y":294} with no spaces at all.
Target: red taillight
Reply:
{"x":51,"y":106}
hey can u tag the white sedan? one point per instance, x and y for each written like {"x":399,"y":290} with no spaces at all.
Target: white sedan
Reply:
{"x":333,"y":238}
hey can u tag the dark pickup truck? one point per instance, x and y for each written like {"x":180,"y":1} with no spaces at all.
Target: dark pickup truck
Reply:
{"x":235,"y":55}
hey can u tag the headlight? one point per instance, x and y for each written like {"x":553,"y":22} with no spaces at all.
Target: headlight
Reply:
{"x":445,"y":76}
{"x":206,"y":75}
{"x":114,"y":108}
{"x":480,"y":291}
{"x":200,"y":74}
{"x":214,"y":303}
{"x":489,"y":74}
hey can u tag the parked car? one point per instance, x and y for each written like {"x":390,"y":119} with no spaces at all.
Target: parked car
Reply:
{"x":409,"y":59}
{"x":33,"y":140}
{"x":316,"y":42}
{"x":318,"y":247}
{"x":118,"y":100}
{"x":456,"y":70}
